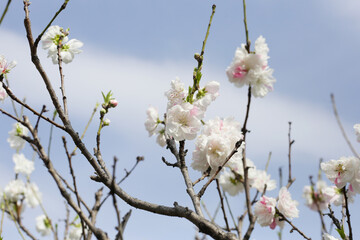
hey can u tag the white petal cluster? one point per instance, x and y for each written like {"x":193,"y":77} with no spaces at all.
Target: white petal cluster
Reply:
{"x":75,"y":232}
{"x":152,"y":120}
{"x":56,"y":36}
{"x":3,"y":93}
{"x":43,"y":225}
{"x":214,"y":144}
{"x":286,"y":205}
{"x":6,"y":66}
{"x":230,"y":183}
{"x":177,"y":93}
{"x":357,"y":131}
{"x":15,"y":141}
{"x":23,"y":165}
{"x":32,"y":195}
{"x":210,"y":93}
{"x":319,"y":198}
{"x":14,"y":190}
{"x":261,"y":178}
{"x":343,"y":171}
{"x":252,"y":69}
{"x":183,"y":122}
{"x":264,"y":210}
{"x":327,"y":236}
{"x":338,"y":198}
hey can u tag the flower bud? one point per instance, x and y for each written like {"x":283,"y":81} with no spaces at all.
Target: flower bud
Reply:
{"x":113,"y":103}
{"x":102,"y":112}
{"x":106,"y":122}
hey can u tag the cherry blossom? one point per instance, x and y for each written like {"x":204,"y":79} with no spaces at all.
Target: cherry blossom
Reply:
{"x":286,"y":205}
{"x":327,"y":236}
{"x":22,"y":164}
{"x":3,"y":93}
{"x":6,"y":66}
{"x":32,"y":195}
{"x":152,"y":120}
{"x":261,"y":179}
{"x":264,"y":210}
{"x":43,"y":225}
{"x":319,"y":198}
{"x":15,"y":141}
{"x":177,"y":94}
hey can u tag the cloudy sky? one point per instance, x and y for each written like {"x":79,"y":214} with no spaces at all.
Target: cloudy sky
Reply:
{"x":135,"y":48}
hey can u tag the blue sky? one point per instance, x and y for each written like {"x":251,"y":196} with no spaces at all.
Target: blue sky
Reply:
{"x":135,"y":48}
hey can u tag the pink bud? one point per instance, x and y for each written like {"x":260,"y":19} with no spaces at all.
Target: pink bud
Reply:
{"x":113,"y":103}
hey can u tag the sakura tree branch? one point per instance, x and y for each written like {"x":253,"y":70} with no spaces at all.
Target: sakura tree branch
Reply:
{"x":62,"y":88}
{"x":63,"y":6}
{"x":74,"y":183}
{"x":347,"y":213}
{"x":117,"y":212}
{"x":341,"y":127}
{"x":331,"y":215}
{"x":38,"y":120}
{"x":95,"y":209}
{"x":291,"y":142}
{"x":24,"y":229}
{"x":205,"y":174}
{"x":282,"y":217}
{"x":13,"y":97}
{"x":5,"y":11}
{"x":222,"y":205}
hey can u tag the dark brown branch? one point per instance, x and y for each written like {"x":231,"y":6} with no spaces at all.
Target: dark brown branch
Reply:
{"x":333,"y":218}
{"x":117,"y":212}
{"x":95,"y":209}
{"x":347,"y":213}
{"x":13,"y":97}
{"x":341,"y":127}
{"x":222,"y":205}
{"x":24,"y":229}
{"x":39,"y":117}
{"x":177,"y":164}
{"x":283,"y":218}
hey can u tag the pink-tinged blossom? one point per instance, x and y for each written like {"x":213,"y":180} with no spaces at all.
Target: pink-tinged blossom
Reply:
{"x":43,"y":225}
{"x":357,"y":131}
{"x":177,"y":94}
{"x":182,"y":122}
{"x":6,"y":66}
{"x":22,"y":164}
{"x":14,"y":139}
{"x":327,"y":236}
{"x":264,"y":210}
{"x":338,"y":198}
{"x":261,"y":178}
{"x":319,"y":198}
{"x":3,"y":93}
{"x":341,"y":171}
{"x":252,"y":69}
{"x":113,"y":103}
{"x":286,"y":205}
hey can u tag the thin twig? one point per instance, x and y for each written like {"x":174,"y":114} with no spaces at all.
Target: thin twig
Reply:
{"x":39,"y":117}
{"x":222,"y":205}
{"x":62,"y":88}
{"x":51,"y":133}
{"x":347,"y":213}
{"x":5,"y":11}
{"x":117,"y":212}
{"x":341,"y":127}
{"x":231,"y":214}
{"x":205,"y":174}
{"x":282,"y":217}
{"x":291,"y":142}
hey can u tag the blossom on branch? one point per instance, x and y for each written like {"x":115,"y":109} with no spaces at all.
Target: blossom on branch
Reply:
{"x":43,"y":225}
{"x":264,"y":210}
{"x":261,"y":179}
{"x":6,"y":66}
{"x":319,"y":198}
{"x":286,"y":205}
{"x":22,"y":164}
{"x":252,"y":69}
{"x":56,"y":37}
{"x":327,"y":236}
{"x":15,"y":140}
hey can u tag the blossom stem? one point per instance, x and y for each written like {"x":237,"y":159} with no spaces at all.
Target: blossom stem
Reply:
{"x":347,"y":213}
{"x":222,"y":205}
{"x":341,"y":126}
{"x":63,"y":6}
{"x":246,"y":28}
{"x":282,"y":217}
{"x":62,"y":80}
{"x":5,"y":11}
{"x":291,"y":142}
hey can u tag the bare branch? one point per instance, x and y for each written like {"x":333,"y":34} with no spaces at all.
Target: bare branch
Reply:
{"x":282,"y":217}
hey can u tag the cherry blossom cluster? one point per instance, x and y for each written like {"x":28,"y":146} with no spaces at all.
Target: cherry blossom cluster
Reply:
{"x":183,"y":115}
{"x":56,"y":37}
{"x":251,"y":68}
{"x":268,"y":214}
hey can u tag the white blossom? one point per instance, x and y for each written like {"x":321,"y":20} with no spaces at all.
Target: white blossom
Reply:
{"x":152,"y":120}
{"x":182,"y":122}
{"x":286,"y":205}
{"x":327,"y":236}
{"x":252,"y":69}
{"x":75,"y":232}
{"x":264,"y":210}
{"x":5,"y":66}
{"x":23,"y":165}
{"x":43,"y":225}
{"x":211,"y":92}
{"x":341,"y":171}
{"x":338,"y":197}
{"x":160,"y":139}
{"x":217,"y":139}
{"x":261,"y":178}
{"x":230,"y":183}
{"x":357,"y":131}
{"x":177,"y":94}
{"x":15,"y":141}
{"x":56,"y":36}
{"x":14,"y":190}
{"x":32,"y":195}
